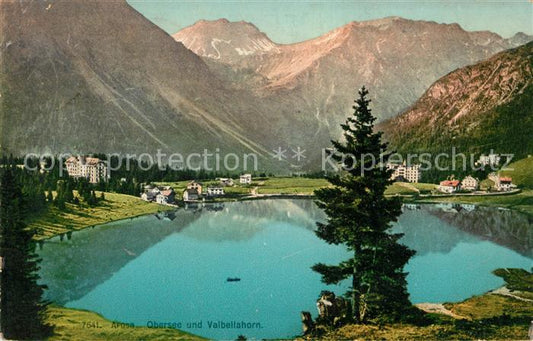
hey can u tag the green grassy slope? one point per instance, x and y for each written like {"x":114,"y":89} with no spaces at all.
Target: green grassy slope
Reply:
{"x":75,"y":217}
{"x":521,"y":171}
{"x":504,"y":129}
{"x":71,"y":324}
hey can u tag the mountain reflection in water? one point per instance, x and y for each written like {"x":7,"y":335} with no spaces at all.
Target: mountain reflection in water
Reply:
{"x":72,"y":268}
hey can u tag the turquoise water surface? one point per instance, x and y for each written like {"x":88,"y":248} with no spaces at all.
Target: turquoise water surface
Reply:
{"x":173,"y":268}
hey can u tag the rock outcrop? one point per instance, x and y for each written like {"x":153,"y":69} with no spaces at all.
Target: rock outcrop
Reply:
{"x":333,"y":311}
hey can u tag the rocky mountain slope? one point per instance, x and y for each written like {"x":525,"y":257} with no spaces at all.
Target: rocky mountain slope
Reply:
{"x":477,"y":108}
{"x":226,"y":41}
{"x":397,"y":59}
{"x":96,"y":76}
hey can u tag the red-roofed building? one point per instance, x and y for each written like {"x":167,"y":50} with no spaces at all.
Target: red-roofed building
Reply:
{"x":505,"y":184}
{"x":449,"y":186}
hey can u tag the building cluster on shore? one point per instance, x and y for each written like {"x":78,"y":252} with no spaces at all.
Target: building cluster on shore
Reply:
{"x":412,"y":173}
{"x":471,"y":184}
{"x":95,"y":170}
{"x":195,"y":190}
{"x":160,"y":194}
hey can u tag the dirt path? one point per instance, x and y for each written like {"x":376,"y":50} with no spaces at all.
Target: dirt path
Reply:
{"x":438,"y":308}
{"x":253,"y":191}
{"x":504,"y":291}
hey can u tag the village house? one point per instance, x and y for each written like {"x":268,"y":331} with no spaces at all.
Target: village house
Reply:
{"x":190,"y":194}
{"x":90,"y":168}
{"x":161,"y":195}
{"x":489,"y":160}
{"x":449,"y":186}
{"x":166,"y":196}
{"x":470,"y":183}
{"x":226,"y":182}
{"x":505,"y":184}
{"x":402,"y":172}
{"x":196,"y":186}
{"x":502,"y":184}
{"x":246,"y":179}
{"x":215,"y":191}
{"x":149,"y":195}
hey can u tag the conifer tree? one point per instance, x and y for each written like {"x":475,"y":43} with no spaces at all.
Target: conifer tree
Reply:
{"x":69,"y":195}
{"x":60,"y":198}
{"x":359,"y":216}
{"x":21,"y":304}
{"x":92,"y":200}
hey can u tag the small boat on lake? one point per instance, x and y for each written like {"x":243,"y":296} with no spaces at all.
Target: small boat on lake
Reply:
{"x":234,"y":279}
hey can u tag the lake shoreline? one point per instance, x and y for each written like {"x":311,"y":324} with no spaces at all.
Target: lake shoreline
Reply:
{"x":409,"y":199}
{"x":441,"y":307}
{"x":520,"y":201}
{"x":84,"y":324}
{"x":100,"y":215}
{"x":73,"y":322}
{"x":475,"y":199}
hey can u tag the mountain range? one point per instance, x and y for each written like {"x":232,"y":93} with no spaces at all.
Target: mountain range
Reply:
{"x":397,"y":59}
{"x":80,"y":76}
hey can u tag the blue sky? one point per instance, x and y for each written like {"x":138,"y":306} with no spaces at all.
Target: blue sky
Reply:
{"x":292,"y":21}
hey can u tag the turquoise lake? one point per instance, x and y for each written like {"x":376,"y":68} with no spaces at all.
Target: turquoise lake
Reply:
{"x":173,"y":267}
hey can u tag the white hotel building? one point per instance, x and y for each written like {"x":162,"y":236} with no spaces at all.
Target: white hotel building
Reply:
{"x":90,"y":168}
{"x":410,"y":173}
